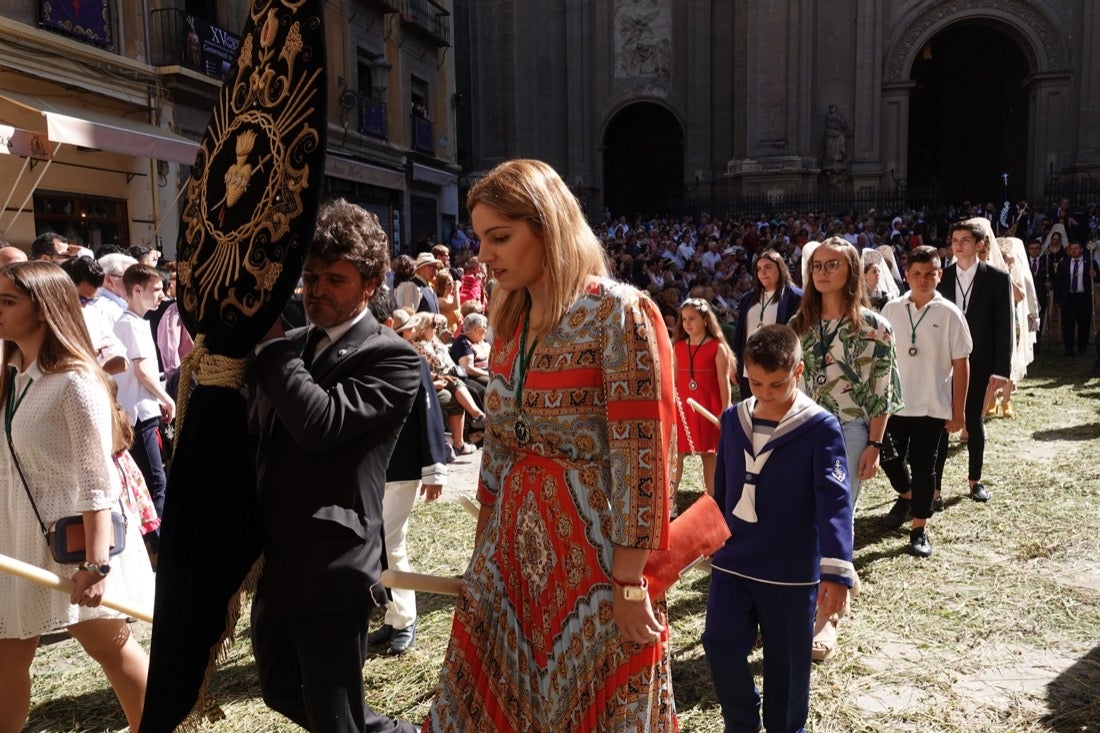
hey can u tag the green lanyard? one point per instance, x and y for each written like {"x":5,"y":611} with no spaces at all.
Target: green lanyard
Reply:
{"x":822,"y":349}
{"x":764,"y":304}
{"x":913,"y":350}
{"x":13,"y":401}
{"x":521,"y":428}
{"x":525,"y":356}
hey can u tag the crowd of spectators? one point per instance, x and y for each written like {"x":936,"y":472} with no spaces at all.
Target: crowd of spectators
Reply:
{"x":702,"y":256}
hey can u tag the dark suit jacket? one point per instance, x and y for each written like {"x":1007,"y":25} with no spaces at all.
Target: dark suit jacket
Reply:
{"x":991,"y":317}
{"x":324,"y":440}
{"x":789,"y":300}
{"x":421,"y":444}
{"x":1062,"y":277}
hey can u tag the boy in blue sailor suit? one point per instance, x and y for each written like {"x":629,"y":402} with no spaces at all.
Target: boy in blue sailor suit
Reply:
{"x":782,"y":482}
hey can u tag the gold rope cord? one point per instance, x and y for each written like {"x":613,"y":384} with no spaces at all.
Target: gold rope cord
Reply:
{"x":207,"y":369}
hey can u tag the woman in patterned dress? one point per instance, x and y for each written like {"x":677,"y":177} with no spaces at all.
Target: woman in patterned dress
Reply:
{"x":850,"y":369}
{"x":554,"y":629}
{"x":59,"y":416}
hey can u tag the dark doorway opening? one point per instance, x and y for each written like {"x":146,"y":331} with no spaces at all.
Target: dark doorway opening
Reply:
{"x":643,"y":160}
{"x":968,"y":114}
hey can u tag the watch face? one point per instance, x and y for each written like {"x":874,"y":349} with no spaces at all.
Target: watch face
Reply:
{"x":633,"y":593}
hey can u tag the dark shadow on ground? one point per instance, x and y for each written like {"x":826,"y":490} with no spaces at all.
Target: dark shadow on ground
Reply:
{"x":1088,"y":431}
{"x":1072,"y":697}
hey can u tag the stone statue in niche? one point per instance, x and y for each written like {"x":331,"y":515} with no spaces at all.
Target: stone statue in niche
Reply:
{"x":836,"y":136}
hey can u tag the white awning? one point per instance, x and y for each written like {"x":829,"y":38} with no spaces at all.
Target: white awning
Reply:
{"x":89,"y":129}
{"x":352,"y":170}
{"x":434,"y":176}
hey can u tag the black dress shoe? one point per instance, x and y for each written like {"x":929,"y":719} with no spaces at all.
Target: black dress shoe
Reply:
{"x":898,"y":514}
{"x":937,"y":504}
{"x":919,"y":544}
{"x":403,"y":639}
{"x":381,"y":635}
{"x":979,"y":493}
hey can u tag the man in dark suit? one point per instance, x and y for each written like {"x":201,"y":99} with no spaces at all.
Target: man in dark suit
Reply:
{"x":329,"y":402}
{"x":984,"y":294}
{"x":1073,"y":293}
{"x":1042,"y":292}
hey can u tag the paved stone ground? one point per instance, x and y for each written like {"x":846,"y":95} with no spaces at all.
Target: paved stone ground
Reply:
{"x":462,"y":477}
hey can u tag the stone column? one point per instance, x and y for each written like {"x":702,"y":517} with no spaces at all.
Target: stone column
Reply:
{"x":698,"y":85}
{"x":895,"y":131}
{"x":867,"y":169}
{"x":582,"y":172}
{"x":1088,"y":121}
{"x":1048,"y":129}
{"x":779,"y":52}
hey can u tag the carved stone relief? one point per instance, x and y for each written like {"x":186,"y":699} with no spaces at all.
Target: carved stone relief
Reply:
{"x":643,"y":42}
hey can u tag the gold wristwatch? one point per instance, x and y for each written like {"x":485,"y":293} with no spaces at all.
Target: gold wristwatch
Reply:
{"x":633,"y":592}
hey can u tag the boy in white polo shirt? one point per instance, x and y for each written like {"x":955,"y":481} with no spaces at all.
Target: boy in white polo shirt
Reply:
{"x":139,"y":389}
{"x":933,"y":345}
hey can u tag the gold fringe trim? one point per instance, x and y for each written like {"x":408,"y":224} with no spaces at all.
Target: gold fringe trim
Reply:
{"x":206,"y":709}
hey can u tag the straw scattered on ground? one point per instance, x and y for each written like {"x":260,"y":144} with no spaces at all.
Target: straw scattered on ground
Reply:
{"x":999,"y":631}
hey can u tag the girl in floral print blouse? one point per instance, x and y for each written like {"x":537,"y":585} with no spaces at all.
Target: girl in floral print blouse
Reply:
{"x":850,"y":369}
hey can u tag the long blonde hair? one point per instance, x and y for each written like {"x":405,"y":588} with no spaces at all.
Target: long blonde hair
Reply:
{"x":67,"y":345}
{"x":533,"y":191}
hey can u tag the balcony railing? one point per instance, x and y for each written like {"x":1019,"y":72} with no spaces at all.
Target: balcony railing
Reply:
{"x":372,"y":118}
{"x":431,"y":19}
{"x":423,"y":135}
{"x":184,"y":40}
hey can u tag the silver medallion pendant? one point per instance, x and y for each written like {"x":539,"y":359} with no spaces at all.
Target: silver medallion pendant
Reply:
{"x":522,"y":429}
{"x":693,"y":385}
{"x":820,"y":379}
{"x":913,"y":351}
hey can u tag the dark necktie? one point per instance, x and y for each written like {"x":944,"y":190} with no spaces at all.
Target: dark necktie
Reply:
{"x":309,"y":349}
{"x":1034,"y":265}
{"x":1073,"y":278}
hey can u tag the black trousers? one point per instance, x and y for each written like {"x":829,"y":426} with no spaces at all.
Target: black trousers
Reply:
{"x":916,"y":443}
{"x":311,"y":670}
{"x":974,"y":412}
{"x":1076,"y":322}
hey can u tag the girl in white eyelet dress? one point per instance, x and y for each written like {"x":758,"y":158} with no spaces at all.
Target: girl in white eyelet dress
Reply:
{"x":58,"y":412}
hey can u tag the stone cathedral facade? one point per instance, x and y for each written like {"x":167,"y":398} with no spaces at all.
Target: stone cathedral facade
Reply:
{"x":986,"y":99}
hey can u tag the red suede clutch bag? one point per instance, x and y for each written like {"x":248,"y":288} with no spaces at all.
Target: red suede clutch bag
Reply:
{"x":698,"y":532}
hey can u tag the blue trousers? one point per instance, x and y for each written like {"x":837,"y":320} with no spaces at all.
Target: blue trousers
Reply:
{"x":784,"y":615}
{"x":146,"y":454}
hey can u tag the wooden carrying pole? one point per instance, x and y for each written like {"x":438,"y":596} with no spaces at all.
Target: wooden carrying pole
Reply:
{"x":703,"y":411}
{"x":35,"y":574}
{"x":421,"y":583}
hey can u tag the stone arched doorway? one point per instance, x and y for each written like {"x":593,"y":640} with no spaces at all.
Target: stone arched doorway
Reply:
{"x":968,"y":114}
{"x":1019,"y":28}
{"x":643,"y":160}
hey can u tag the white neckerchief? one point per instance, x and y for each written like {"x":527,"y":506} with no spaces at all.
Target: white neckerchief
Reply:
{"x":802,"y":408}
